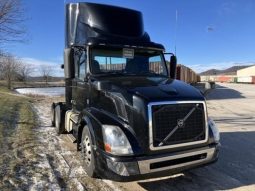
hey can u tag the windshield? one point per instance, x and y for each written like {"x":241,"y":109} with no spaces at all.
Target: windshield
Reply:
{"x":126,"y":61}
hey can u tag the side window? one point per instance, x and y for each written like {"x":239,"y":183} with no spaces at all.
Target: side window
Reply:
{"x":76,"y":64}
{"x":156,"y":65}
{"x":80,"y":60}
{"x":82,"y":63}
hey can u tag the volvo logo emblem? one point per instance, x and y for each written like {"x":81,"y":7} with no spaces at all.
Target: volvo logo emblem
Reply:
{"x":180,"y":123}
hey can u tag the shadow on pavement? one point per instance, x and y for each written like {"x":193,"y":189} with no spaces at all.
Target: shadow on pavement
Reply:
{"x":234,"y":169}
{"x":222,"y":92}
{"x":241,"y":121}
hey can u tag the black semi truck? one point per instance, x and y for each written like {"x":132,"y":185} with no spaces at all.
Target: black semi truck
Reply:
{"x":128,"y":115}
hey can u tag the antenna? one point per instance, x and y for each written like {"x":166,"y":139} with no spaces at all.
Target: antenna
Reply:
{"x":65,"y":24}
{"x":64,"y":7}
{"x":175,"y":32}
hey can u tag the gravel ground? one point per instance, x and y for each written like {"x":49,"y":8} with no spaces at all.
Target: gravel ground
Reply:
{"x":58,"y":165}
{"x":61,"y":158}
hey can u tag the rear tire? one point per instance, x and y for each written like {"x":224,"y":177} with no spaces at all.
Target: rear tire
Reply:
{"x":87,"y":153}
{"x":53,"y":114}
{"x":59,"y":120}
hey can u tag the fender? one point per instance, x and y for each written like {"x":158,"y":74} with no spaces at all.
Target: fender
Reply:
{"x":95,"y":118}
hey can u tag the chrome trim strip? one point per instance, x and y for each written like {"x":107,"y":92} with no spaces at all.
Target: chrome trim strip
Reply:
{"x":144,"y":165}
{"x":176,"y":145}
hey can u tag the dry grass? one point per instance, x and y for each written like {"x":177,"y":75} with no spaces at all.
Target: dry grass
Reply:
{"x":35,"y":96}
{"x":17,"y":120}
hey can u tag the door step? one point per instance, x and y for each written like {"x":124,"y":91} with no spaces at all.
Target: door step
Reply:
{"x":71,"y":138}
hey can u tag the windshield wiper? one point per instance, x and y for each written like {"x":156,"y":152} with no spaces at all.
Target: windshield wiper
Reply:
{"x":110,"y":73}
{"x":143,"y":73}
{"x":150,"y":74}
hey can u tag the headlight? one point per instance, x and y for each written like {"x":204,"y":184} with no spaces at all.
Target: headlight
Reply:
{"x":215,"y":130}
{"x":115,"y":141}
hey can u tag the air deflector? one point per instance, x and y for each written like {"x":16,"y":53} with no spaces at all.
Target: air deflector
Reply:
{"x":90,"y":20}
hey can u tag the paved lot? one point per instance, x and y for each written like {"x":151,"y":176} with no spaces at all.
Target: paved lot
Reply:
{"x":232,"y":106}
{"x":56,"y":164}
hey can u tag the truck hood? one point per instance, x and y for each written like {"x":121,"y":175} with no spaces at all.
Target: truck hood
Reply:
{"x":154,"y":88}
{"x":128,"y":97}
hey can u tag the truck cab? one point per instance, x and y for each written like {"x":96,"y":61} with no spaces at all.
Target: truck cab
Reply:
{"x":128,"y":115}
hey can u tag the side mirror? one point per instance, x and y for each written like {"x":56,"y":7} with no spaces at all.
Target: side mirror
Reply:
{"x":68,"y":63}
{"x":172,"y":67}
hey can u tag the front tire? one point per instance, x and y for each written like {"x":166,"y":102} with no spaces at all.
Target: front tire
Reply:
{"x":53,"y":114}
{"x":87,"y":153}
{"x":59,"y":123}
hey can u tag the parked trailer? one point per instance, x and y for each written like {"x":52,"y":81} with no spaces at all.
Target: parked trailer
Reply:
{"x":225,"y":79}
{"x":208,"y":78}
{"x":221,"y":78}
{"x":186,"y":74}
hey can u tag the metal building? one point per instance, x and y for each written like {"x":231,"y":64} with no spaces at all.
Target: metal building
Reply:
{"x":250,"y":71}
{"x":246,"y":75}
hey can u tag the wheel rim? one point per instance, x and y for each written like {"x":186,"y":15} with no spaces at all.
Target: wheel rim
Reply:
{"x":52,"y":115}
{"x":57,"y":120}
{"x":86,"y":150}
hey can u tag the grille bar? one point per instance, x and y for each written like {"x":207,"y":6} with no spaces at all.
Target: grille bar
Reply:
{"x":163,"y":118}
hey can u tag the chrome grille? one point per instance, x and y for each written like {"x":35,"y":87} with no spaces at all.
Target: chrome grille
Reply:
{"x":164,"y":117}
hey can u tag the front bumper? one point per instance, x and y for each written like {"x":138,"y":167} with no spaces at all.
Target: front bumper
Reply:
{"x":133,"y":168}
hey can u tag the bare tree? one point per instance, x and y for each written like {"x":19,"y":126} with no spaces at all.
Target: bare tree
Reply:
{"x":1,"y":65}
{"x":46,"y":72}
{"x":9,"y":68}
{"x":11,"y":30}
{"x":11,"y":21}
{"x":24,"y":71}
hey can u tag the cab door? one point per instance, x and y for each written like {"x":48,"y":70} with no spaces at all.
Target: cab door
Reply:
{"x":80,"y":85}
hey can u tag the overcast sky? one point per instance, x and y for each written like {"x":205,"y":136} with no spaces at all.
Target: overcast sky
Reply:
{"x":210,"y":33}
